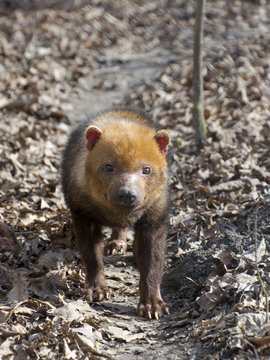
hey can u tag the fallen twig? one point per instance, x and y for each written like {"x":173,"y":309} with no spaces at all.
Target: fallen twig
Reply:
{"x":257,"y":265}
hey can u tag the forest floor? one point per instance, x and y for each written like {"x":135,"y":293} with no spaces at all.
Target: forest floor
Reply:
{"x":61,"y":61}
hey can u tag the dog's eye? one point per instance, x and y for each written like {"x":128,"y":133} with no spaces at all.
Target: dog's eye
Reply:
{"x":108,"y":168}
{"x":146,"y":170}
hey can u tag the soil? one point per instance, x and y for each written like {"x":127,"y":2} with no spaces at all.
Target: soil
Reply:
{"x":184,"y":282}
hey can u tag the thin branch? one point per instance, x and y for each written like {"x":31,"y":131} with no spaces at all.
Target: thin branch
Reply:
{"x":198,"y":111}
{"x":257,"y":265}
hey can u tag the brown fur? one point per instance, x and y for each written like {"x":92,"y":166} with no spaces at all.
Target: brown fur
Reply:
{"x":126,"y":196}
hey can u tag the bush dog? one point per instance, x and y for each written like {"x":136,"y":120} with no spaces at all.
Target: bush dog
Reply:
{"x":114,"y":173}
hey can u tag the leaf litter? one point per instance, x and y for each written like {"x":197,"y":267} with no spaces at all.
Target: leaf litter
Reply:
{"x":55,"y":57}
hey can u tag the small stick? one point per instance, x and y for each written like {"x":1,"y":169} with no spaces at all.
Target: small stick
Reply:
{"x":256,"y":263}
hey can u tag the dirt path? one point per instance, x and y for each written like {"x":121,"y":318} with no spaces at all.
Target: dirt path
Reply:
{"x":129,"y":72}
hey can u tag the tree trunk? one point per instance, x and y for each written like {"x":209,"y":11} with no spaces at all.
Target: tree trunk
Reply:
{"x":198,"y":110}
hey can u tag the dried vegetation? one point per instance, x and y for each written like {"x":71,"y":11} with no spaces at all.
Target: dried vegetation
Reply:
{"x":217,"y":275}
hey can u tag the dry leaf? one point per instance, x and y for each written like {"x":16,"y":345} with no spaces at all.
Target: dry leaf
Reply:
{"x":124,"y":335}
{"x":260,"y":252}
{"x":5,"y":347}
{"x":260,"y":341}
{"x":19,"y":292}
